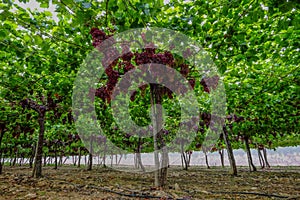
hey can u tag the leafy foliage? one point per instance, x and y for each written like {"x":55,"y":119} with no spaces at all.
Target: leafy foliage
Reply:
{"x":255,"y":46}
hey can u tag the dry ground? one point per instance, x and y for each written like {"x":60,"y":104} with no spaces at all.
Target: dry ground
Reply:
{"x":103,"y":183}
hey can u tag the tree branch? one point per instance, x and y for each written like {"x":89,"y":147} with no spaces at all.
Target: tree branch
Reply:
{"x":106,"y":12}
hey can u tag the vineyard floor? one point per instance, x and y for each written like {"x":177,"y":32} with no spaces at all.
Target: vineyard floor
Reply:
{"x":103,"y":183}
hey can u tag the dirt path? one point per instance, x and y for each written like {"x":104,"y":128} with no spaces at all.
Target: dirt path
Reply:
{"x":197,"y":183}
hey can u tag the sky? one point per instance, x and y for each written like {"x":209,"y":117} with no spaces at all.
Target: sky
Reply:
{"x":33,"y":4}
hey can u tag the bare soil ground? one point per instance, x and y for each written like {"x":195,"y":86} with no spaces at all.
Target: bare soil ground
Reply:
{"x":104,"y":183}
